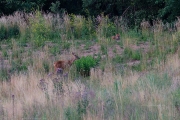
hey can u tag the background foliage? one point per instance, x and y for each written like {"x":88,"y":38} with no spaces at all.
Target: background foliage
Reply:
{"x":135,"y":10}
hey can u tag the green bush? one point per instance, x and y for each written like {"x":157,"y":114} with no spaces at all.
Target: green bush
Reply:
{"x":82,"y":28}
{"x":106,"y":28}
{"x":84,"y":65}
{"x":40,"y":29}
{"x":13,"y":31}
{"x":3,"y":32}
{"x":136,"y":55}
{"x":110,"y":29}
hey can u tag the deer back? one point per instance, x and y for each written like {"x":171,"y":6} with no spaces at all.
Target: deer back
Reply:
{"x":65,"y":63}
{"x":60,"y":64}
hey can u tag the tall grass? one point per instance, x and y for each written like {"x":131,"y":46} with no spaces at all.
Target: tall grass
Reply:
{"x":139,"y":81}
{"x":133,"y":96}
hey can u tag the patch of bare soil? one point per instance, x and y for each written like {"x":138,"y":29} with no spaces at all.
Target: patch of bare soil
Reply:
{"x":132,"y":63}
{"x":94,"y":49}
{"x":115,"y":50}
{"x":81,"y":47}
{"x":145,"y":47}
{"x":49,"y":43}
{"x":119,"y":49}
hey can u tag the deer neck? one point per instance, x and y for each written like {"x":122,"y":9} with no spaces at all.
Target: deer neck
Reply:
{"x":70,"y":62}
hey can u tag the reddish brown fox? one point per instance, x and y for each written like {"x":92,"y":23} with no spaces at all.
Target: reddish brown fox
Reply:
{"x":116,"y":37}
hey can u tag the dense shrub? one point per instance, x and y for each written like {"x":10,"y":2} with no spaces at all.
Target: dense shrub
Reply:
{"x":40,"y":30}
{"x":82,"y":28}
{"x":106,"y":27}
{"x":84,"y":65}
{"x":3,"y":32}
{"x":136,"y":55}
{"x":11,"y":31}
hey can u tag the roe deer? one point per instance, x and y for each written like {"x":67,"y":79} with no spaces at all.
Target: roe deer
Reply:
{"x":116,"y":37}
{"x":62,"y":64}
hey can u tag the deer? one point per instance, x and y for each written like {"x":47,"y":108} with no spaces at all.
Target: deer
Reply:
{"x":63,"y":64}
{"x":116,"y":37}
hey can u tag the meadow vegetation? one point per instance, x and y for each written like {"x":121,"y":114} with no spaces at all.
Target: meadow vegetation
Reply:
{"x":134,"y":78}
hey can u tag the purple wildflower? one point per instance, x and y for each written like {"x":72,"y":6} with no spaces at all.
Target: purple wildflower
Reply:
{"x":59,"y":71}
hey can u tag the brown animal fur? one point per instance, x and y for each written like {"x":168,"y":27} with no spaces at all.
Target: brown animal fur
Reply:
{"x":116,"y":37}
{"x":65,"y":64}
